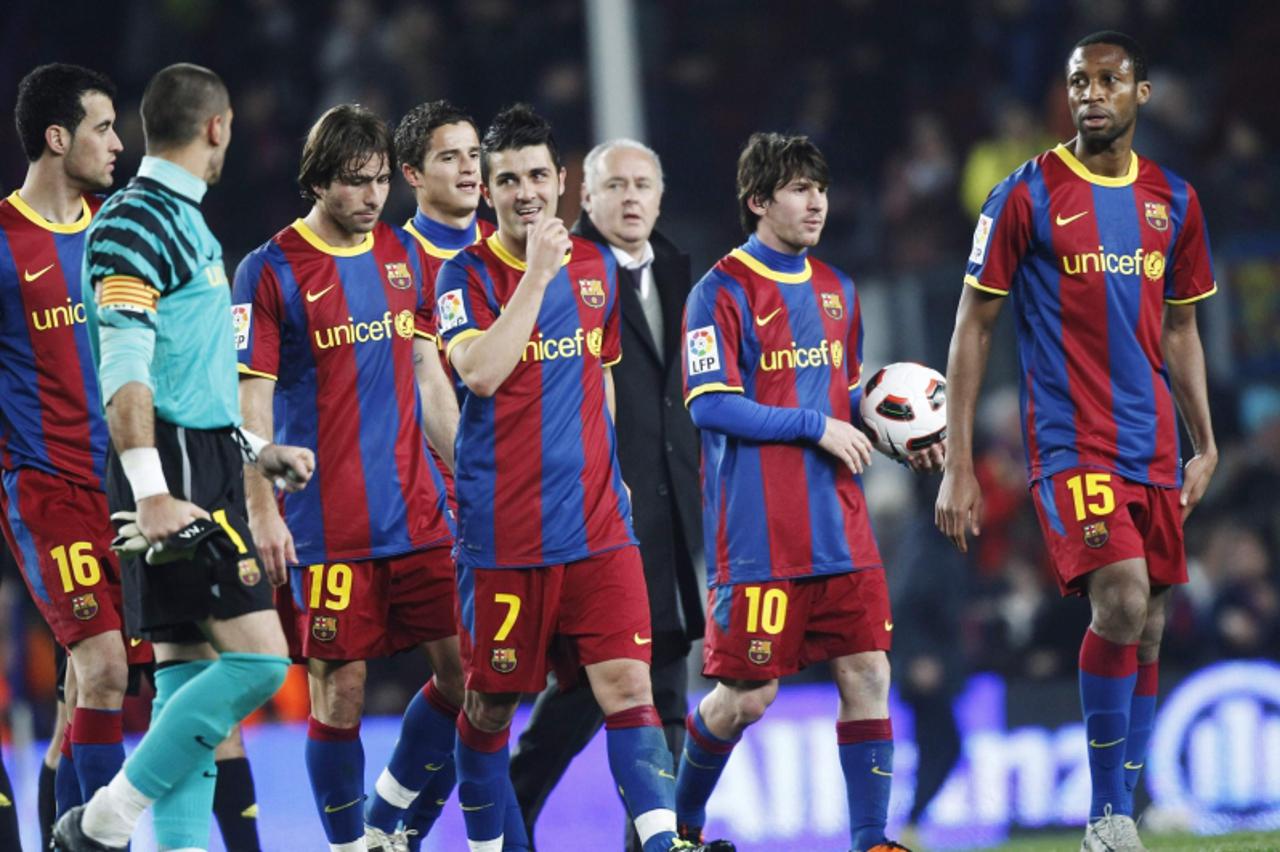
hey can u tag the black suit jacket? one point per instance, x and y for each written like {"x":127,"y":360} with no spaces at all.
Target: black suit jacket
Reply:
{"x":658,"y":450}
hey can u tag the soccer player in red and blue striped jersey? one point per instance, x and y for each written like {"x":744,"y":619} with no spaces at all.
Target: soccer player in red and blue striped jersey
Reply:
{"x":773,"y":365}
{"x":330,"y":320}
{"x":53,"y":438}
{"x":1105,"y":254}
{"x":546,"y":557}
{"x":438,"y":148}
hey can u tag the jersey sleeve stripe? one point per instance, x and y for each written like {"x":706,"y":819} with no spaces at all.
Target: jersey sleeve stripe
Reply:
{"x":425,"y":335}
{"x":617,"y":360}
{"x":465,"y":334}
{"x":1194,"y":298}
{"x":973,"y":282}
{"x":245,"y":371}
{"x":710,"y":387}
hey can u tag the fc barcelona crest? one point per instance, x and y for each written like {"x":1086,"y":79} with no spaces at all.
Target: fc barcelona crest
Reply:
{"x":85,"y":606}
{"x":760,"y":651}
{"x":250,"y":573}
{"x":398,"y":275}
{"x":592,"y":292}
{"x":503,"y":660}
{"x":1096,"y":534}
{"x":1157,"y":215}
{"x":832,"y":305}
{"x":324,"y":627}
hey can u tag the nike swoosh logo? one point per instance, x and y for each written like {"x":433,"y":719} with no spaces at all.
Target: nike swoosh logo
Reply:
{"x":876,"y":770}
{"x":250,"y":812}
{"x":1133,"y":766}
{"x":1067,"y":220}
{"x":134,"y":642}
{"x":662,"y":773}
{"x":316,"y":294}
{"x":208,"y":774}
{"x":473,"y":808}
{"x":200,"y":739}
{"x":764,"y":320}
{"x":29,"y":276}
{"x":639,"y":640}
{"x":333,"y":809}
{"x":888,"y":626}
{"x":433,"y":767}
{"x":1096,"y":744}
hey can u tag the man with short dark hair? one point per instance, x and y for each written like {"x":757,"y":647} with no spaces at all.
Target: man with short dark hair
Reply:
{"x":793,"y":567}
{"x":159,"y":330}
{"x":658,"y":454}
{"x":54,"y":436}
{"x":546,"y":558}
{"x":1106,"y":254}
{"x":332,"y":316}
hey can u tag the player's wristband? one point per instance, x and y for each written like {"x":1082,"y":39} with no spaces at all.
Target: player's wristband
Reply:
{"x":145,"y":473}
{"x":251,"y":445}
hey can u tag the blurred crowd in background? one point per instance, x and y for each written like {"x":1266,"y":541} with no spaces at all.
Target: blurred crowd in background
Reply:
{"x":921,"y":107}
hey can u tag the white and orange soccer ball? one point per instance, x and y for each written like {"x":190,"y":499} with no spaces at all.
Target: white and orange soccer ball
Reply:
{"x":904,"y":409}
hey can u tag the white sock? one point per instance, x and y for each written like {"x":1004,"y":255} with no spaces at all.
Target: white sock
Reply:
{"x":393,"y":792}
{"x":113,"y":811}
{"x":654,"y":822}
{"x":494,"y":845}
{"x":353,"y":846}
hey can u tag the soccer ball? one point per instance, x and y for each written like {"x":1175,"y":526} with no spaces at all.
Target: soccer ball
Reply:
{"x":904,"y":409}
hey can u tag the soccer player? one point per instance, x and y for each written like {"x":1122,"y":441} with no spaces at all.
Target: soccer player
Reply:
{"x":773,"y":364}
{"x":438,"y":148}
{"x":51,"y":428}
{"x":159,"y":325}
{"x":545,"y":550}
{"x":333,"y":314}
{"x":1105,"y":254}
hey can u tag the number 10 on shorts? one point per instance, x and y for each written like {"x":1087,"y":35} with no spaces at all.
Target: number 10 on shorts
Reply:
{"x":766,"y":609}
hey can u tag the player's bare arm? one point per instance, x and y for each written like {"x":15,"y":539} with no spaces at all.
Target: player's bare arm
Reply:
{"x":1184,"y":356}
{"x":959,"y":505}
{"x":131,"y":422}
{"x":439,"y":404}
{"x":485,"y":361}
{"x":270,"y":534}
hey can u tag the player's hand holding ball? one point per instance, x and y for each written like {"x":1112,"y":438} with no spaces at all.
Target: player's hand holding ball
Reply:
{"x":547,"y":245}
{"x":904,"y":411}
{"x":847,"y":443}
{"x":289,"y":467}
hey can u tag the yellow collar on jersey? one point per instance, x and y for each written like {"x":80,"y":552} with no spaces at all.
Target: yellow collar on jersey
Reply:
{"x":758,"y":267}
{"x":313,"y":239}
{"x":495,"y":245}
{"x":56,"y":227}
{"x":431,"y":248}
{"x":1064,"y":153}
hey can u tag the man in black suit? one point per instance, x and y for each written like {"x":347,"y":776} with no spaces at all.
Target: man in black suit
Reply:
{"x":658,"y":453}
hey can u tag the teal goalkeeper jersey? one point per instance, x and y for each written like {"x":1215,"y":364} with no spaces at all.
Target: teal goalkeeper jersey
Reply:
{"x":163,"y":316}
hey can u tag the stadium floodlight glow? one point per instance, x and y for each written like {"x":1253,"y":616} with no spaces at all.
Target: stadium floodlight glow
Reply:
{"x":1215,"y":751}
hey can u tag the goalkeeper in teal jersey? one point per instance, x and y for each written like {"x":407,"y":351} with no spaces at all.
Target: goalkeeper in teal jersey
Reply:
{"x":162,"y":338}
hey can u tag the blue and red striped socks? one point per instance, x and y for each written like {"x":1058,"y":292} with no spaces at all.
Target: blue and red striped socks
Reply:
{"x":1108,"y":672}
{"x":423,"y":751}
{"x":701,"y":763}
{"x":97,"y":745}
{"x":641,"y":765}
{"x":1142,"y":713}
{"x":66,"y":784}
{"x":866,"y":757}
{"x":482,"y":760}
{"x":335,"y":765}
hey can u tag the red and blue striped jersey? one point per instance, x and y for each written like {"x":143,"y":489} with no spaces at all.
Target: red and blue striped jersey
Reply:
{"x":50,"y":406}
{"x":787,"y":338}
{"x":334,"y":328}
{"x":435,"y":253}
{"x":1091,"y":261}
{"x":537,"y":474}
